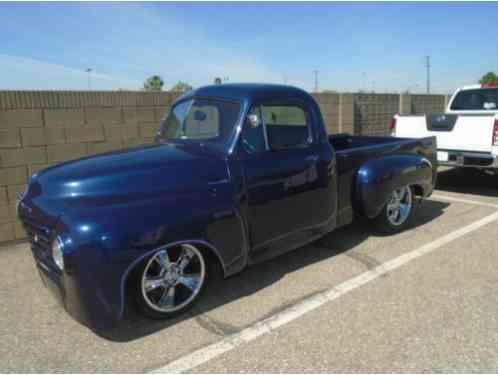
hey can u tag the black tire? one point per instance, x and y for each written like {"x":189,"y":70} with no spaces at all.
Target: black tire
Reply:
{"x":148,"y":304}
{"x":385,"y":224}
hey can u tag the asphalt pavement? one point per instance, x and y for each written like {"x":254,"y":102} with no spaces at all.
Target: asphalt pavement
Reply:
{"x":423,"y":300}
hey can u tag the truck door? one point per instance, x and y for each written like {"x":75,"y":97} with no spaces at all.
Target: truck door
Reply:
{"x":286,"y":173}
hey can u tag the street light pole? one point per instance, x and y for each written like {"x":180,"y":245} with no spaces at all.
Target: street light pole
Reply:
{"x":315,"y":72}
{"x":89,"y":71}
{"x":428,"y":67}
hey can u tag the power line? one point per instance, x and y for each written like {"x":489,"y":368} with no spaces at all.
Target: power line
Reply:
{"x":428,"y":67}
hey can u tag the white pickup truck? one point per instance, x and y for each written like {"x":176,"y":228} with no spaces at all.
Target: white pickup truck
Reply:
{"x":467,"y":132}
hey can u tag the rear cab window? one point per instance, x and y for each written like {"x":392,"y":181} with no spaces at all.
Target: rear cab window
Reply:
{"x":476,"y":100}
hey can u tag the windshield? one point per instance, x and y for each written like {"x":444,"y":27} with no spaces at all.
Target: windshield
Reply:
{"x":476,"y":100}
{"x":201,"y":120}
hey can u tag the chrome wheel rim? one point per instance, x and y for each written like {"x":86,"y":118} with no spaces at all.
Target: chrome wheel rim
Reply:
{"x":399,"y":206}
{"x":173,"y":278}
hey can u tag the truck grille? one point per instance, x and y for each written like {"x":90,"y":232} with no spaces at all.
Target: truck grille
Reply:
{"x":40,"y":238}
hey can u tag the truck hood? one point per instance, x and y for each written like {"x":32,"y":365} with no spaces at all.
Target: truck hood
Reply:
{"x":128,"y":175}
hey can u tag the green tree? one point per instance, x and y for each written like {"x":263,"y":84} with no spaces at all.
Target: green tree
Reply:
{"x":154,"y":83}
{"x":489,"y":78}
{"x":181,"y":87}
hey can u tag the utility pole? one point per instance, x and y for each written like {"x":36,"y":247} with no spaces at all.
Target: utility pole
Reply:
{"x":89,"y":71}
{"x":428,"y":67}
{"x":315,"y":72}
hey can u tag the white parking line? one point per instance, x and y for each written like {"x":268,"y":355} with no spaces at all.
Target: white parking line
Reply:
{"x":461,"y":200}
{"x":203,"y":355}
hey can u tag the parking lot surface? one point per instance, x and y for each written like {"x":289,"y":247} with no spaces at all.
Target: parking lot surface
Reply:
{"x":422,"y":300}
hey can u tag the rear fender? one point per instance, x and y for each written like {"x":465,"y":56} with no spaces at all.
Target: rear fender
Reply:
{"x":377,"y":178}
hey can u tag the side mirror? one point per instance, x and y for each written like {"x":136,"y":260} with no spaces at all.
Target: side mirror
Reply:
{"x":253,"y":120}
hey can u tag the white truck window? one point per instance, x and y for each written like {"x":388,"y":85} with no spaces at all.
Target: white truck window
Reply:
{"x":475,"y":100}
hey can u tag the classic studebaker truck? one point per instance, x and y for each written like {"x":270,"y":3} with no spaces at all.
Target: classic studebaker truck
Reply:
{"x":239,"y":173}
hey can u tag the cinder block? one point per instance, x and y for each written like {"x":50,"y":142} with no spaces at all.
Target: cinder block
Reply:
{"x":12,"y":209}
{"x":161,"y":113}
{"x":73,"y":117}
{"x":119,"y":132}
{"x":7,"y":232}
{"x":5,"y":214}
{"x":9,"y":138}
{"x":60,"y":153}
{"x":136,"y":115}
{"x":103,"y":115}
{"x":129,"y":143}
{"x":54,"y":136}
{"x":43,"y":136}
{"x":13,"y":176}
{"x":19,"y":231}
{"x":405,"y":104}
{"x":13,"y":191}
{"x":98,"y":148}
{"x":21,"y":118}
{"x":33,"y":137}
{"x":22,"y":156}
{"x":3,"y":195}
{"x":148,"y":130}
{"x":85,"y":134}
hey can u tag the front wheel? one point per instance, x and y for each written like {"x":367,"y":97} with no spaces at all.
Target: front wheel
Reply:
{"x":170,"y":281}
{"x":396,"y":213}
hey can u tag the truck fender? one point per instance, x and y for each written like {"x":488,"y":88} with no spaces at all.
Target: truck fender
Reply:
{"x":377,"y":178}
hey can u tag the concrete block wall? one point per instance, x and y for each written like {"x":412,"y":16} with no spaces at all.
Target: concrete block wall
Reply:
{"x":329,"y":106}
{"x":43,"y":128}
{"x":40,"y":129}
{"x":373,"y":113}
{"x":428,"y":103}
{"x":337,"y":111}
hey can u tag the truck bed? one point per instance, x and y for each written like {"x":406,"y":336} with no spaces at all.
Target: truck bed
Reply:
{"x":346,"y":143}
{"x":353,"y":151}
{"x":343,"y":142}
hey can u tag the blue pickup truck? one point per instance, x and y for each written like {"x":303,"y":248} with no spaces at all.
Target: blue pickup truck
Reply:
{"x":239,"y":173}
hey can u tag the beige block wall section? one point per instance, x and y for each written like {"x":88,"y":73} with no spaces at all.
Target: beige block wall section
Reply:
{"x":42,"y":128}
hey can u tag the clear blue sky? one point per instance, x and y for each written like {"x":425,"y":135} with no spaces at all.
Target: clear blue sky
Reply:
{"x":353,"y":46}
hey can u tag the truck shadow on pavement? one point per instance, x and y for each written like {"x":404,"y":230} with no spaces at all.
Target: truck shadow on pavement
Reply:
{"x":468,"y":181}
{"x":256,"y":278}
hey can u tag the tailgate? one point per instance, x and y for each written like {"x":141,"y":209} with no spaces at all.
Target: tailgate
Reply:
{"x":453,"y":132}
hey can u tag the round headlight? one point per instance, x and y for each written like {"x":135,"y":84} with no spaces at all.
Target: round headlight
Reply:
{"x":57,"y":254}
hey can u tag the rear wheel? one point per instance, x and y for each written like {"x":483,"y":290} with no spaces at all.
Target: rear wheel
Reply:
{"x":396,"y":213}
{"x":170,"y":281}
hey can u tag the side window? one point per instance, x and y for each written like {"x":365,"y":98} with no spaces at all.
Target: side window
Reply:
{"x":286,"y":126}
{"x":253,"y":136}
